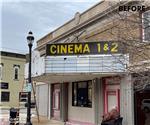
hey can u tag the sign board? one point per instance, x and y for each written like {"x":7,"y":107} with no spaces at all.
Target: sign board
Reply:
{"x":23,"y":96}
{"x":29,"y":87}
{"x":102,"y":47}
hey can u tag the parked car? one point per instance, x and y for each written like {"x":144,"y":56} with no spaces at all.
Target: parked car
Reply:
{"x":146,"y":105}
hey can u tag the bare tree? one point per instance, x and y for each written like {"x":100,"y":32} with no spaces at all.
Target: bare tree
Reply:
{"x":129,"y":28}
{"x":133,"y":32}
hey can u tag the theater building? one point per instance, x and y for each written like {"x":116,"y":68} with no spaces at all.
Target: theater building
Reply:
{"x":80,"y":69}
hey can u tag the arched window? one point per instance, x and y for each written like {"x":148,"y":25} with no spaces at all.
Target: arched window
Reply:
{"x":16,"y":72}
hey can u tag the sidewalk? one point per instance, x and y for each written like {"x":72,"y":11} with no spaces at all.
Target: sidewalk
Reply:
{"x":45,"y":121}
{"x":4,"y":118}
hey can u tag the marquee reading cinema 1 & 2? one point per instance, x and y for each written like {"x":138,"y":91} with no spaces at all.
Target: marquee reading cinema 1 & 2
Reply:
{"x":83,"y":48}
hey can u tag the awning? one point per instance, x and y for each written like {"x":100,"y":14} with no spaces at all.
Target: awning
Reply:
{"x":70,"y":77}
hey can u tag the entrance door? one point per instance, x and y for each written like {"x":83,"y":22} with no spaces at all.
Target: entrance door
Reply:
{"x":111,"y":94}
{"x":112,"y":100}
{"x":56,"y":101}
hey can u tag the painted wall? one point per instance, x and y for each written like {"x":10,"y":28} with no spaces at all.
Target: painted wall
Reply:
{"x":15,"y":86}
{"x":127,"y":100}
{"x":42,"y":92}
{"x":38,"y":65}
{"x":81,"y":114}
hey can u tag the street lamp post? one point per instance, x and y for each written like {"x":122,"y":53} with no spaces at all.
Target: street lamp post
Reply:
{"x":30,"y":40}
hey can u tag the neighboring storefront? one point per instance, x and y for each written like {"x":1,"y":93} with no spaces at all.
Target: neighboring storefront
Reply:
{"x":11,"y":78}
{"x":80,"y":69}
{"x":142,"y":98}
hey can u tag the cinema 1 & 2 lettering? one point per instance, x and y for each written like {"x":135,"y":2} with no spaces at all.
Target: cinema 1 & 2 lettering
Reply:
{"x":82,"y":48}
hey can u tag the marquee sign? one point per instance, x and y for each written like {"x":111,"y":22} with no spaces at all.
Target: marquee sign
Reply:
{"x":107,"y":47}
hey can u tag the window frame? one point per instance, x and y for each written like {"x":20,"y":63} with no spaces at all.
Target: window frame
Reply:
{"x":4,"y":85}
{"x":1,"y":71}
{"x":143,"y":30}
{"x":88,"y":105}
{"x":5,"y":98}
{"x":16,"y":67}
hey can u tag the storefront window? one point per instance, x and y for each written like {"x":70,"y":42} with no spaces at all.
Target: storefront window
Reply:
{"x":82,"y":94}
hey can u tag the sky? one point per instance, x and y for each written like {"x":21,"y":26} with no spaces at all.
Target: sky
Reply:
{"x":18,"y":17}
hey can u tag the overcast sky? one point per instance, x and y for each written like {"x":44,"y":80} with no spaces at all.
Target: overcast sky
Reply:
{"x":18,"y":17}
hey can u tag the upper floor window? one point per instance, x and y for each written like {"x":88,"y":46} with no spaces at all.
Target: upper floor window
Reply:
{"x":1,"y":71}
{"x":16,"y":72}
{"x":146,"y":25}
{"x":5,"y":96}
{"x":4,"y":85}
